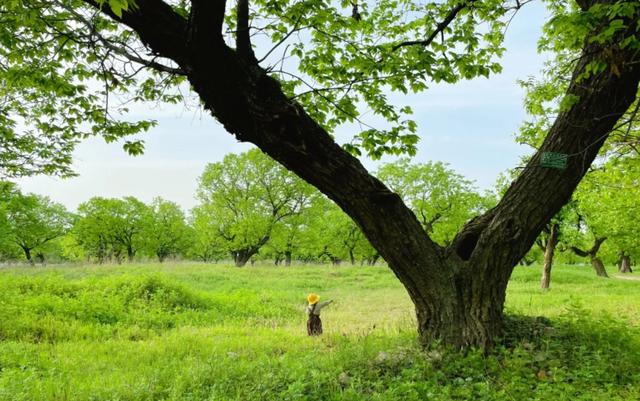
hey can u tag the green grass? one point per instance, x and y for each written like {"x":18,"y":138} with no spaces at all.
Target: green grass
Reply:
{"x":196,"y":332}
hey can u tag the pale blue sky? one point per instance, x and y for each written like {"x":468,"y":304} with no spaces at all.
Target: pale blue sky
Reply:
{"x":469,"y":125}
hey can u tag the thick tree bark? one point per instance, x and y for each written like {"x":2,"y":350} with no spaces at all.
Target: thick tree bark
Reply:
{"x":458,"y":291}
{"x":549,"y":250}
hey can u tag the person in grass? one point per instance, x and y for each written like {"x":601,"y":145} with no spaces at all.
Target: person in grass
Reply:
{"x":314,"y":324}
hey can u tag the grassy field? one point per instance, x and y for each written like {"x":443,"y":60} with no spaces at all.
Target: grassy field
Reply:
{"x":197,"y":332}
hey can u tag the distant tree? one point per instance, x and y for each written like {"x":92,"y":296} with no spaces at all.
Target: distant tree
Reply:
{"x":206,"y":244}
{"x":165,"y":232}
{"x":555,"y":233}
{"x":608,"y":204}
{"x":246,"y":196}
{"x":33,"y":221}
{"x":111,"y":228}
{"x":442,"y":199}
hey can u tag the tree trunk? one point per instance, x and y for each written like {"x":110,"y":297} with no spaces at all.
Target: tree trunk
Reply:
{"x":131,"y":253}
{"x":625,"y":263}
{"x":287,"y":258}
{"x":352,"y":258}
{"x":458,"y":291}
{"x":27,"y":254}
{"x":242,"y":256}
{"x":549,"y":250}
{"x":598,"y":266}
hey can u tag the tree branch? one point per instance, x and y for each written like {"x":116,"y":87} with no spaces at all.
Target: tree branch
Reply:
{"x":156,"y":23}
{"x":243,"y":37}
{"x":205,"y":24}
{"x":439,"y":28}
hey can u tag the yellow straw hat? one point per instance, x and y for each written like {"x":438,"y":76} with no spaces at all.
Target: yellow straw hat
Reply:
{"x":313,"y":299}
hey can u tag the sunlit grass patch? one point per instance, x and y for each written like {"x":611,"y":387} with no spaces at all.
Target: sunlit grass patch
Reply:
{"x":198,"y":332}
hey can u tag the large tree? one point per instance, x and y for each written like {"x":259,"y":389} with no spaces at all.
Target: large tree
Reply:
{"x":341,"y":59}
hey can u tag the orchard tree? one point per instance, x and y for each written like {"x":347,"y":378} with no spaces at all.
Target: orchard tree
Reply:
{"x":33,"y":221}
{"x":327,"y":60}
{"x":556,"y":232}
{"x":336,"y":236}
{"x":112,"y":228}
{"x":246,"y":196}
{"x":206,"y":243}
{"x":165,"y":232}
{"x":608,"y":203}
{"x":441,"y":199}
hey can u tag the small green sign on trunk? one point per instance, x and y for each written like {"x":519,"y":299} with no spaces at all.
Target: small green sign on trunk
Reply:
{"x":554,"y":160}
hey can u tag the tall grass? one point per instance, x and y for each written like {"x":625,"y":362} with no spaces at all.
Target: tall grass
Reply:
{"x":198,"y":332}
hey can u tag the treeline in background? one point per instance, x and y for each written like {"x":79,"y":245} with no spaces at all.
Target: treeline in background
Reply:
{"x":251,"y":209}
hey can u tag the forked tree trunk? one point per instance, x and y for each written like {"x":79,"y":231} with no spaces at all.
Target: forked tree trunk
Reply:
{"x":592,"y":253}
{"x":458,"y":291}
{"x":549,"y":250}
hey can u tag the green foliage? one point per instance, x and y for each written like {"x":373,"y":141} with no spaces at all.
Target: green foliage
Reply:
{"x":563,"y":36}
{"x":110,"y":229}
{"x":441,"y":199}
{"x":350,"y":55}
{"x":607,"y":202}
{"x":30,"y":222}
{"x":65,"y":76}
{"x":165,"y":232}
{"x":69,"y":72}
{"x":333,"y":235}
{"x":246,"y":196}
{"x":193,"y":332}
